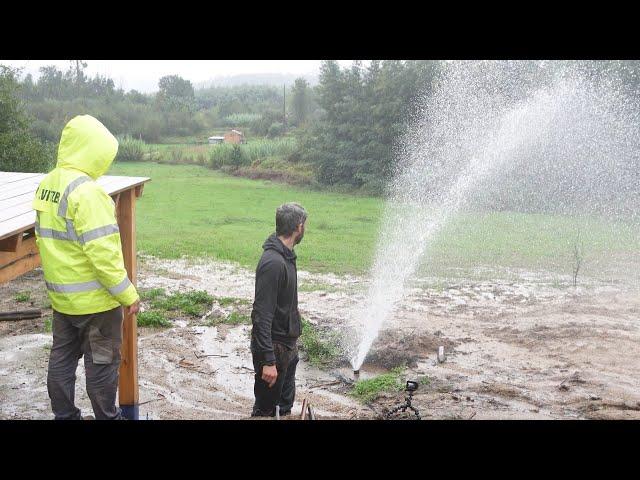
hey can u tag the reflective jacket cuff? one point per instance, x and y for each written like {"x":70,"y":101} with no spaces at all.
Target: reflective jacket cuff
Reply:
{"x":128,"y":297}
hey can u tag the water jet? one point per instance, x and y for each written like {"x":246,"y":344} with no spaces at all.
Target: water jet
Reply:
{"x":526,"y":137}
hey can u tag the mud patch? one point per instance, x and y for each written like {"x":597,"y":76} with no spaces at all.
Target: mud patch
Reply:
{"x":512,"y":348}
{"x":395,"y":348}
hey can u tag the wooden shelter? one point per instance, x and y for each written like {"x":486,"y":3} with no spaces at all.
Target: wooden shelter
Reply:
{"x":234,"y":136}
{"x":19,"y":254}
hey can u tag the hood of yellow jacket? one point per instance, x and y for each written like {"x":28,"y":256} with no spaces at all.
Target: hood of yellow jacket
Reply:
{"x":87,"y":145}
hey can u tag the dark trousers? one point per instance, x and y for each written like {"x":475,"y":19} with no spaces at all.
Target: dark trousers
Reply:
{"x":97,"y":336}
{"x":283,"y":391}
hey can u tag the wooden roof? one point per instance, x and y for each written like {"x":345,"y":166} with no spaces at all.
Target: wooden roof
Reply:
{"x":18,"y":189}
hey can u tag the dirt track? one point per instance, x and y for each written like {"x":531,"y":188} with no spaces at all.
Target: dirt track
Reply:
{"x":532,"y":348}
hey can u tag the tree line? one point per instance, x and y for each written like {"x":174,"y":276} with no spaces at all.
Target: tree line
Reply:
{"x":346,"y":127}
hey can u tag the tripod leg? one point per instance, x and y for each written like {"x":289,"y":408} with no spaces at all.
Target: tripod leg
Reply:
{"x":415,"y":411}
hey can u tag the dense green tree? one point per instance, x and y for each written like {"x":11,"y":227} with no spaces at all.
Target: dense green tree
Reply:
{"x":175,"y":93}
{"x":19,"y":150}
{"x":365,"y":111}
{"x":301,"y":101}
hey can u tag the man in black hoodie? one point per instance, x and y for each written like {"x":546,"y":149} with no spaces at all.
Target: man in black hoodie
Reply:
{"x":275,"y":316}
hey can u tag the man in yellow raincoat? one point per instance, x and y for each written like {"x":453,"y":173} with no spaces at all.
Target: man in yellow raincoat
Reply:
{"x":79,"y":242}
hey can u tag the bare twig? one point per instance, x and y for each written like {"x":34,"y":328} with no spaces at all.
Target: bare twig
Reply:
{"x":210,"y":355}
{"x":162,"y":397}
{"x":335,"y":382}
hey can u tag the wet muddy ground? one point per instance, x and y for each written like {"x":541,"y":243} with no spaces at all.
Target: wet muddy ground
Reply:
{"x":530,"y":346}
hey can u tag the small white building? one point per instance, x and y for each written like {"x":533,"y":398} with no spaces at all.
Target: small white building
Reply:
{"x":215,"y":140}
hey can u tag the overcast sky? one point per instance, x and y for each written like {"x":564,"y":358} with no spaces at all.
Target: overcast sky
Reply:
{"x":143,"y":75}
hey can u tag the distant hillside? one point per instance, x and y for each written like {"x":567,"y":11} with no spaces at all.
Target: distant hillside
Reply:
{"x":276,"y":79}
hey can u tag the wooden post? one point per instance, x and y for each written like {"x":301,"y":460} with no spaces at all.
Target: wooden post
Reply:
{"x":128,"y":387}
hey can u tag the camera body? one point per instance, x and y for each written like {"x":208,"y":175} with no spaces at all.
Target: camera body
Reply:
{"x":411,"y":386}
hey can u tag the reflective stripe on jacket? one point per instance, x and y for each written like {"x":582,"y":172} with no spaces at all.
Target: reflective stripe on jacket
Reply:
{"x":76,"y":229}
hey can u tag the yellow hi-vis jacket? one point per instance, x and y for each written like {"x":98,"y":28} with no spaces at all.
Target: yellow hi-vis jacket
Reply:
{"x":76,"y":228}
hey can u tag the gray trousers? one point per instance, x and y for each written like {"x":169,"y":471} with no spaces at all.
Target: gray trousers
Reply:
{"x":97,"y":336}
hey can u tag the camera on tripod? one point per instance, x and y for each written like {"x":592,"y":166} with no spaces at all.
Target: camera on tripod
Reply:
{"x":411,"y":386}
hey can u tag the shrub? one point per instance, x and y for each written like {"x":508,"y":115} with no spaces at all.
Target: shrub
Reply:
{"x":130,"y":150}
{"x":153,"y":318}
{"x":239,"y":157}
{"x":275,"y":130}
{"x":320,"y":351}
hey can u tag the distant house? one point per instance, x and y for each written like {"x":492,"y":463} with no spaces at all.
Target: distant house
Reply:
{"x":215,"y":140}
{"x":234,"y":136}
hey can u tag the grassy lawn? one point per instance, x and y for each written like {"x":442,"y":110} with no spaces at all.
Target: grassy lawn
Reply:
{"x":195,"y":211}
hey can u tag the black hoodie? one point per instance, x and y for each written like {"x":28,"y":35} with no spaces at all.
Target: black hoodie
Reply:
{"x":275,"y":315}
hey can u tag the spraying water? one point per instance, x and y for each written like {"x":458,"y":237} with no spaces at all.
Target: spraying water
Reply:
{"x":495,"y":134}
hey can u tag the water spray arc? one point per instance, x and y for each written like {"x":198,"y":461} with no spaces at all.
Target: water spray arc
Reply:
{"x":484,"y":121}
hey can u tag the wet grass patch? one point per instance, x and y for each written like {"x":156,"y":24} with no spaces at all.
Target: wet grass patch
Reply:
{"x":154,"y":319}
{"x":164,"y":307}
{"x":23,"y":297}
{"x":317,"y":287}
{"x":367,"y":390}
{"x":321,"y":348}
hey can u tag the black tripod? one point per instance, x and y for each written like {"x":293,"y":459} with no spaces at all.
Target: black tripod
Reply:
{"x":409,"y":388}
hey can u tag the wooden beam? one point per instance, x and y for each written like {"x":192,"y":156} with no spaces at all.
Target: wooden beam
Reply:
{"x":128,"y":388}
{"x":11,"y":244}
{"x":116,"y":200}
{"x":23,"y":260}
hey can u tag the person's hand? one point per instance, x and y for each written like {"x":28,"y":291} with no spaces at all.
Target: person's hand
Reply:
{"x":133,"y":308}
{"x":269,"y":374}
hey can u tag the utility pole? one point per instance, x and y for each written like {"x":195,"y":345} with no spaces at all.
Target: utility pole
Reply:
{"x":284,"y":107}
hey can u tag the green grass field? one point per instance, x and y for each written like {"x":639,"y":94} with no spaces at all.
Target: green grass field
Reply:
{"x":195,"y":211}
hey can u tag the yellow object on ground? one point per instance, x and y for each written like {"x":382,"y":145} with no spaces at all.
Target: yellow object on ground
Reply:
{"x":76,"y":228}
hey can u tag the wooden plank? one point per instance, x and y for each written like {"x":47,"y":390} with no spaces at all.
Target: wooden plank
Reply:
{"x":14,"y":264}
{"x":18,"y":187}
{"x":26,"y":197}
{"x":26,"y":247}
{"x":6,"y":177}
{"x":14,"y":211}
{"x":120,"y":184}
{"x":128,"y":388}
{"x":111,"y":183}
{"x":18,"y":224}
{"x":9,"y":177}
{"x":20,"y":267}
{"x":107,"y":183}
{"x":11,"y":244}
{"x":19,"y":190}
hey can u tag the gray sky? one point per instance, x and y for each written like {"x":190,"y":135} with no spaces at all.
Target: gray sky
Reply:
{"x":143,"y":75}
